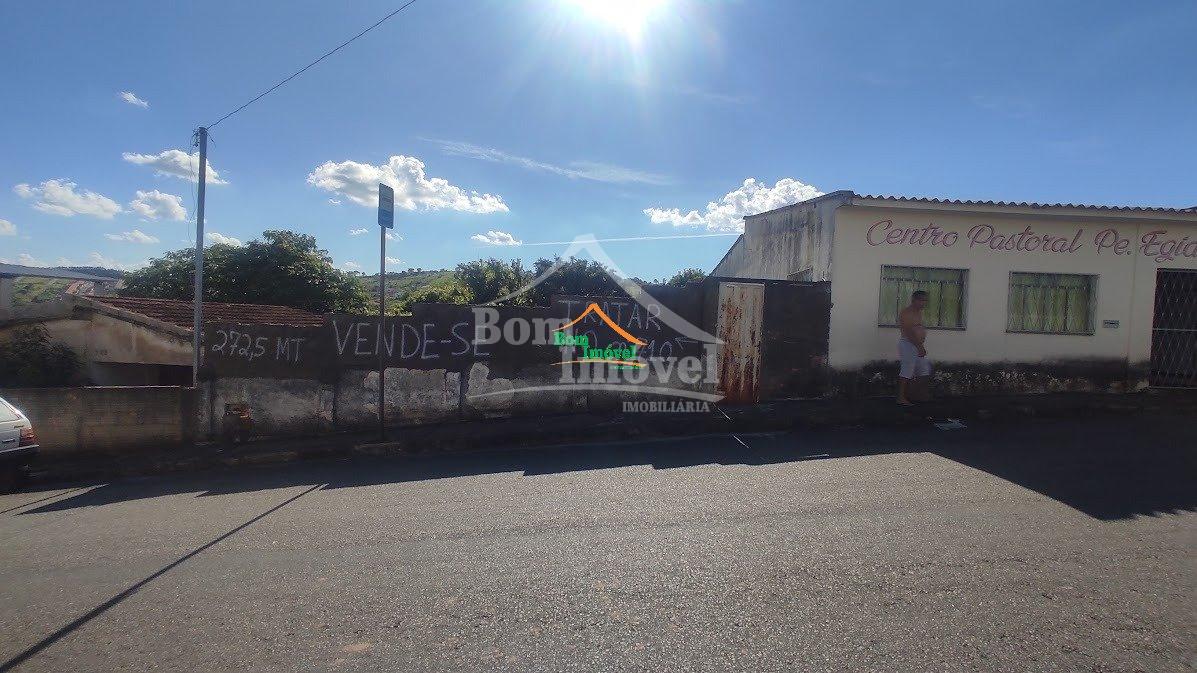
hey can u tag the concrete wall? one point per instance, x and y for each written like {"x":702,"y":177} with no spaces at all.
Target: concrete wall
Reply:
{"x":793,"y":243}
{"x":114,"y":351}
{"x":327,"y":384}
{"x":984,"y":355}
{"x":289,"y":407}
{"x":103,"y":419}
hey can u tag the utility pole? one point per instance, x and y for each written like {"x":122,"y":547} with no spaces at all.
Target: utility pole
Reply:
{"x":382,"y":313}
{"x":201,"y":137}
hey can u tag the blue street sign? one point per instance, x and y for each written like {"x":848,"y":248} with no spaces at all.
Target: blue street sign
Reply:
{"x":386,"y":206}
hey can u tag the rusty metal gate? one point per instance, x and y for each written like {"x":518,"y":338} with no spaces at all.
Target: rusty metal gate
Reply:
{"x":741,"y":307}
{"x":1174,"y":329}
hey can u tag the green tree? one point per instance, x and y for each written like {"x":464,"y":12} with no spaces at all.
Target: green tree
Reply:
{"x":446,"y":292}
{"x":30,"y":359}
{"x":284,"y":268}
{"x":681,"y":278}
{"x":485,"y":280}
{"x":573,"y":276}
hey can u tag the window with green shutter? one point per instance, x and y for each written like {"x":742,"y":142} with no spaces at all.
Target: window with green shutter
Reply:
{"x":1051,"y":303}
{"x":945,"y":288}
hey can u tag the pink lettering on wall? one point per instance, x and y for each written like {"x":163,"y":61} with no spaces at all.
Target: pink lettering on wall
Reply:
{"x":1155,"y":244}
{"x":884,"y":232}
{"x":1109,"y":239}
{"x":1024,"y":241}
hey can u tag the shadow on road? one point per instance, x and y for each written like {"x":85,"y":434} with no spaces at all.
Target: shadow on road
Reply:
{"x":100,"y":609}
{"x":1106,"y":468}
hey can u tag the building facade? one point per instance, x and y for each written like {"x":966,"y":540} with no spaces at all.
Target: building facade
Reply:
{"x":1022,"y":296}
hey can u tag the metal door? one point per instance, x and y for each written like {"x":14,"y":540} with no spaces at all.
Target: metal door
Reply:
{"x":741,"y":306}
{"x":1174,"y":329}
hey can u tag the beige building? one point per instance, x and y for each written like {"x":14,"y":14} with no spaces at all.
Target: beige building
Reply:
{"x":1023,"y":295}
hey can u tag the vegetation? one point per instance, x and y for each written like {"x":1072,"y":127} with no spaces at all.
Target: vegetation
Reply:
{"x":447,"y":291}
{"x":29,"y":359}
{"x":284,"y":268}
{"x":402,"y":286}
{"x":681,"y":278}
{"x":573,"y":276}
{"x":486,"y":280}
{"x":33,"y":290}
{"x":289,"y":269}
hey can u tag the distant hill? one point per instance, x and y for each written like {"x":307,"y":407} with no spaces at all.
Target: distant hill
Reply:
{"x":34,"y":290}
{"x":402,"y":283}
{"x":96,"y":271}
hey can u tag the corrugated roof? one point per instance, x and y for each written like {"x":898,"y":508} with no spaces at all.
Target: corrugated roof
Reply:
{"x":180,"y":313}
{"x":1026,"y":204}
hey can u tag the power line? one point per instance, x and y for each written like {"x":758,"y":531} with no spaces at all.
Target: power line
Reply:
{"x":306,"y":67}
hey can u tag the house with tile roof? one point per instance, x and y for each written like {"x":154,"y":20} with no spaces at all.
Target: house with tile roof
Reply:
{"x":140,"y":341}
{"x":1029,"y":296}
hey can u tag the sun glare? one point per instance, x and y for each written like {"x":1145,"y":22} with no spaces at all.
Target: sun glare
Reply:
{"x":627,"y":16}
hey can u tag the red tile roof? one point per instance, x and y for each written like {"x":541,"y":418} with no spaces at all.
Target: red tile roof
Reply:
{"x":180,"y":313}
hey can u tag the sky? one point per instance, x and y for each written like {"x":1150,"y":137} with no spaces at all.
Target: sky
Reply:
{"x":508,"y":127}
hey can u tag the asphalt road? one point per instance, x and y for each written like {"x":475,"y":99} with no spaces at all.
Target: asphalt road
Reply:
{"x":1036,"y":546}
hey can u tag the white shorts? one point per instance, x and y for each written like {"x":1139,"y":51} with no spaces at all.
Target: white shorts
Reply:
{"x":912,"y":363}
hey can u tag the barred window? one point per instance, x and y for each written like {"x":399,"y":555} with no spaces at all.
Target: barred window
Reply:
{"x":1051,"y":303}
{"x":945,"y":290}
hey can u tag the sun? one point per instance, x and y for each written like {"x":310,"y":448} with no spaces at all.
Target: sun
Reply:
{"x":627,"y":16}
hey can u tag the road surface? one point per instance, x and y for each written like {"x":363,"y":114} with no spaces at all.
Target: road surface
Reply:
{"x":1013,"y":546}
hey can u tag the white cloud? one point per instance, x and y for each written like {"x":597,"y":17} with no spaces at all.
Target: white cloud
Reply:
{"x":58,"y":197}
{"x":135,"y":236}
{"x":96,"y":259}
{"x":132,"y":99}
{"x":579,"y":170}
{"x":493,"y":237}
{"x":351,"y":266}
{"x":335,"y":202}
{"x":727,"y":214}
{"x":153,"y":205}
{"x":359,"y":183}
{"x":393,"y":261}
{"x":26,"y":259}
{"x":175,"y":163}
{"x":220,"y":239}
{"x":7,"y":228}
{"x":390,"y":235}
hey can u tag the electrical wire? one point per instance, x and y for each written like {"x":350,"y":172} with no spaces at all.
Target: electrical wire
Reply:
{"x":306,"y":67}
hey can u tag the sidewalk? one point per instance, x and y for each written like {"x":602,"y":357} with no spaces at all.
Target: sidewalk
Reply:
{"x":520,"y":432}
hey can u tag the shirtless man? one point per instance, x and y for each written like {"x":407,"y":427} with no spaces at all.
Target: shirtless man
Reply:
{"x":912,"y":353}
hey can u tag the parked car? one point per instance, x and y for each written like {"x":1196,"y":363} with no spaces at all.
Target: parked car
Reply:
{"x":18,"y":445}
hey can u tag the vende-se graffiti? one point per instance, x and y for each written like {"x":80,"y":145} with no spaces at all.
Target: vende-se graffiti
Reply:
{"x":1157,"y":244}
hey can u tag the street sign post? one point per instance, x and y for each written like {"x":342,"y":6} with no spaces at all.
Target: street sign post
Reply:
{"x":386,"y":206}
{"x":386,"y":220}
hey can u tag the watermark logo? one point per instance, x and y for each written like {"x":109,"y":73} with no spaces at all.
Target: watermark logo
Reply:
{"x":618,"y":354}
{"x":602,"y":352}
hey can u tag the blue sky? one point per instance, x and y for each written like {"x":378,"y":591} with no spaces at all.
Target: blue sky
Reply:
{"x":540,"y":120}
